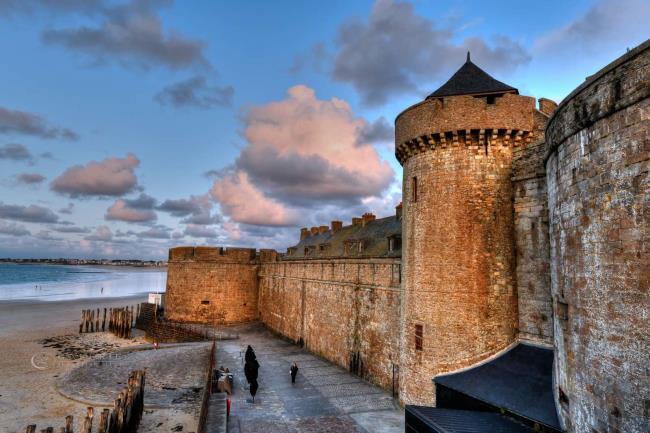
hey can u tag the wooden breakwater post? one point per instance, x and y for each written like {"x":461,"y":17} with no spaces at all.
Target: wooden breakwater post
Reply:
{"x":127,"y":412}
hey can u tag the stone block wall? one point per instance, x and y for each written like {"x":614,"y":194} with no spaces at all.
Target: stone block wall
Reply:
{"x":345,"y":310}
{"x":532,"y":243}
{"x":211,"y":285}
{"x":598,"y":174}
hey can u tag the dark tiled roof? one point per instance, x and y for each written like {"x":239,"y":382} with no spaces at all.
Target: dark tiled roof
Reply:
{"x":374,"y":236}
{"x":435,"y":420}
{"x":519,"y":381}
{"x":471,"y":80}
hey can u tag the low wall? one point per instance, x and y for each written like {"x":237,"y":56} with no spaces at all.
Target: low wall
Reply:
{"x":345,"y":310}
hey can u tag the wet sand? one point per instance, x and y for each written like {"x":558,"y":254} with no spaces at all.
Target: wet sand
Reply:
{"x":30,"y":366}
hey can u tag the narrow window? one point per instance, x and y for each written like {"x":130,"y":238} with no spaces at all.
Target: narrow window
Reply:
{"x":306,"y":251}
{"x":491,"y":99}
{"x":391,"y":244}
{"x":419,"y":336}
{"x":414,"y":189}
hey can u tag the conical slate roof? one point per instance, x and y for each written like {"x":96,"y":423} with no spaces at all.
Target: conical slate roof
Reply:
{"x":471,"y":80}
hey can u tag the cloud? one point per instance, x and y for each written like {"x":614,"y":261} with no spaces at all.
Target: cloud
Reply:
{"x":21,"y":122}
{"x":110,"y":177}
{"x":133,"y":35}
{"x":46,"y":236}
{"x":197,"y":231}
{"x":19,"y":7}
{"x":16,"y":152}
{"x":607,"y":24}
{"x":195,"y":92}
{"x":301,"y":153}
{"x":71,"y":229}
{"x":133,"y":211}
{"x":380,"y":131}
{"x":101,"y":234}
{"x":243,"y":202}
{"x":158,"y":232}
{"x":29,"y":214}
{"x":30,"y":178}
{"x":196,"y":210}
{"x":13,"y":230}
{"x":68,"y":209}
{"x":395,"y":52}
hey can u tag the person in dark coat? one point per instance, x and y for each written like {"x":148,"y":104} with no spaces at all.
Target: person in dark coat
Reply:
{"x":250,"y":354}
{"x":293,"y":371}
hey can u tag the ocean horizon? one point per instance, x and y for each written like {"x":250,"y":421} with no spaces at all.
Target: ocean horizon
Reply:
{"x":53,"y":282}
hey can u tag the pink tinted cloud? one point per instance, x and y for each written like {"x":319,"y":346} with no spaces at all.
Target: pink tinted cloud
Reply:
{"x":301,"y":152}
{"x":244,"y":203}
{"x":110,"y":177}
{"x":121,"y":211}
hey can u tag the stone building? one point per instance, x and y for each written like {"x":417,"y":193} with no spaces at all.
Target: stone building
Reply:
{"x":513,"y":279}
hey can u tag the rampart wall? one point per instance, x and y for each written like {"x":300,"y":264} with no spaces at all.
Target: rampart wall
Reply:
{"x":535,"y":304}
{"x":345,"y":310}
{"x":598,"y":173}
{"x":212,"y":285}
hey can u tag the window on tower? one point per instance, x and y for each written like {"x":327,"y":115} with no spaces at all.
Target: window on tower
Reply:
{"x":419,"y":336}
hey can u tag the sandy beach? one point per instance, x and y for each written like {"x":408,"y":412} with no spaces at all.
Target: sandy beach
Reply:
{"x":28,"y":370}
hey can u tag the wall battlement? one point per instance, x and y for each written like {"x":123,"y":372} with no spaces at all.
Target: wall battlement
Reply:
{"x":242,"y":255}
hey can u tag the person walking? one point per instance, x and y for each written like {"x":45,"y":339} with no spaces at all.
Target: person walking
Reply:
{"x":293,"y":371}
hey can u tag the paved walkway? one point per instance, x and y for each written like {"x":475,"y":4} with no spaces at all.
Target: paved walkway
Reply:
{"x":325,"y":398}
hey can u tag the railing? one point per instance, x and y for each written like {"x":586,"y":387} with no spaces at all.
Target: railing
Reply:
{"x":207,"y":390}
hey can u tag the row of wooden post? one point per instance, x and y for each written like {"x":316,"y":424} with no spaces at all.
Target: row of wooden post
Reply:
{"x":125,"y":417}
{"x":120,"y":320}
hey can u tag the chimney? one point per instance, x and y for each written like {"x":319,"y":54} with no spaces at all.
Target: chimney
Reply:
{"x":367,"y":217}
{"x":357,"y":221}
{"x":322,"y":229}
{"x":314,"y":231}
{"x":304,"y":233}
{"x":336,"y":226}
{"x":546,"y":106}
{"x":398,"y":211}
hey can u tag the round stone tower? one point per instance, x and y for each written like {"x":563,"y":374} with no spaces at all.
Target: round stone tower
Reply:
{"x":458,"y":259}
{"x":599,"y":203}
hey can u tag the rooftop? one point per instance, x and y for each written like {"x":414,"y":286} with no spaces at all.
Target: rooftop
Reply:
{"x":472,"y":80}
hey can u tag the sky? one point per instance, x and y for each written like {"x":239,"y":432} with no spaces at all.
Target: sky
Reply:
{"x":131,"y":126}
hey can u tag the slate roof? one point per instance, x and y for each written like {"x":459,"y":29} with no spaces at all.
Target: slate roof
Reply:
{"x":435,"y":420}
{"x":374,"y":235}
{"x":472,"y":80}
{"x":519,"y":381}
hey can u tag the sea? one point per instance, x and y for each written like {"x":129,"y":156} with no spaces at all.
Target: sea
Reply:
{"x":61,"y":282}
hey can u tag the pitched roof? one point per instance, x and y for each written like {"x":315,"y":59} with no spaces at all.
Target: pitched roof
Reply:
{"x":471,"y":80}
{"x":374,"y":235}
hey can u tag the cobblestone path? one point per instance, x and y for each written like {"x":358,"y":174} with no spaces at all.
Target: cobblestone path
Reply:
{"x":325,"y":398}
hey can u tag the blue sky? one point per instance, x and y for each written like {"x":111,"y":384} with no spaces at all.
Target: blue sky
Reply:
{"x":130,"y":126}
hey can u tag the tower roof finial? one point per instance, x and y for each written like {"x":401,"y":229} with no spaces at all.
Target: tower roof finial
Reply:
{"x":468,"y":56}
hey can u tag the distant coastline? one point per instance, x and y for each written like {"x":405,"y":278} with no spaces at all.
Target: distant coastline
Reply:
{"x":90,"y":262}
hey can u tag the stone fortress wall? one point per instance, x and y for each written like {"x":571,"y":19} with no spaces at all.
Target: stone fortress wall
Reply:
{"x":598,"y":173}
{"x":514,"y":227}
{"x":345,"y":310}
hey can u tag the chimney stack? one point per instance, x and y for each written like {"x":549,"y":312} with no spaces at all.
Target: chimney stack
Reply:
{"x":304,"y":232}
{"x":367,"y":217}
{"x":398,"y":211}
{"x":336,"y":226}
{"x":546,"y":106}
{"x":314,"y":231}
{"x":322,"y":229}
{"x":357,"y":221}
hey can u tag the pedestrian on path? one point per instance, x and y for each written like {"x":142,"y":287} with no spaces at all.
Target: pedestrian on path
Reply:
{"x":293,"y":371}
